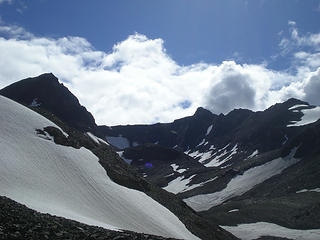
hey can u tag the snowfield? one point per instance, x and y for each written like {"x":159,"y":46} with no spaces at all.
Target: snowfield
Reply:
{"x":309,"y":116}
{"x":255,"y":230}
{"x":242,"y":183}
{"x":70,"y":182}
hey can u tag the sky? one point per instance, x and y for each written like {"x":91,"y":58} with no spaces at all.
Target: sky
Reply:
{"x":147,"y":61}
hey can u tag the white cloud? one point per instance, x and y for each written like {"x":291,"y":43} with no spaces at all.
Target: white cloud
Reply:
{"x":4,"y":1}
{"x":291,"y":23}
{"x":138,"y":82}
{"x":298,"y":41}
{"x":312,"y":87}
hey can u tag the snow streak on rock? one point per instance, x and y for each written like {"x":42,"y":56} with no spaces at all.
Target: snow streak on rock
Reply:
{"x":242,"y":183}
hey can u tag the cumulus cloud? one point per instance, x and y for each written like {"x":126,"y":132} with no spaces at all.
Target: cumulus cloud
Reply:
{"x":231,"y":89}
{"x":312,"y":88}
{"x":138,"y":82}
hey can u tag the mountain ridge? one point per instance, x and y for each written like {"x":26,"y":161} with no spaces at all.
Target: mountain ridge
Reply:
{"x":204,"y":155}
{"x":112,"y":164}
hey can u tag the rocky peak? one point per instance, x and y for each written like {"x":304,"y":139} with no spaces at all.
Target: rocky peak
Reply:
{"x":46,"y":92}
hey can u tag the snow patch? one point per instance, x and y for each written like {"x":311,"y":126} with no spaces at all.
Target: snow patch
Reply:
{"x":251,"y":231}
{"x":234,"y":151}
{"x":202,"y":157}
{"x":212,"y":147}
{"x":179,"y":185}
{"x":200,"y":184}
{"x":209,"y":130}
{"x":35,"y":103}
{"x":309,"y":190}
{"x":193,"y":154}
{"x":205,"y":156}
{"x":171,"y":174}
{"x":242,"y":183}
{"x":233,"y":210}
{"x":202,"y":142}
{"x":96,"y":139}
{"x":309,"y":116}
{"x":216,"y":161}
{"x":255,"y":153}
{"x":120,"y":153}
{"x":298,"y":106}
{"x":175,"y":168}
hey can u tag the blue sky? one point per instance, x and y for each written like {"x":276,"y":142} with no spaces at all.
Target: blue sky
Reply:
{"x":276,"y":39}
{"x":193,"y":31}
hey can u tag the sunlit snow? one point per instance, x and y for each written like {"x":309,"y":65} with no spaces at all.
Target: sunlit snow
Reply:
{"x":251,"y":231}
{"x":175,"y":168}
{"x":233,"y":210}
{"x":255,"y":153}
{"x":180,"y":184}
{"x":298,"y":106}
{"x":96,"y":139}
{"x":242,"y":183}
{"x":202,"y":142}
{"x":70,"y":182}
{"x":209,"y":130}
{"x":309,"y":190}
{"x":309,"y":116}
{"x":217,"y":160}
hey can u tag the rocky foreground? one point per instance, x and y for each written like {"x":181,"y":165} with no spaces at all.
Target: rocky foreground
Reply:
{"x":19,"y":222}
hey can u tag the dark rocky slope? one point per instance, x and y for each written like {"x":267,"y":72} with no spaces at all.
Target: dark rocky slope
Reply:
{"x":19,"y":222}
{"x":155,"y":162}
{"x":282,"y":199}
{"x":46,"y":91}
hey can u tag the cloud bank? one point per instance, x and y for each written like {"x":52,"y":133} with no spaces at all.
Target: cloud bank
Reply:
{"x":138,"y":82}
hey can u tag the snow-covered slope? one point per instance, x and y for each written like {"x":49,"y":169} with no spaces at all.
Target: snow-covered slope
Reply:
{"x":310,"y":115}
{"x":242,"y":183}
{"x":256,"y":230}
{"x":70,"y":182}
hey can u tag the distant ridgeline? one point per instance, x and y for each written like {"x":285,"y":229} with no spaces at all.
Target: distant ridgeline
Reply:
{"x":241,"y":170}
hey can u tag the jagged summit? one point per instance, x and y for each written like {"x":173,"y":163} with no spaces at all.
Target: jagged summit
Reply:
{"x":295,"y":101}
{"x":46,"y":92}
{"x":202,"y":112}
